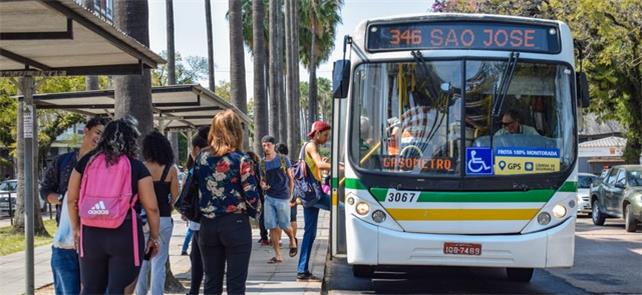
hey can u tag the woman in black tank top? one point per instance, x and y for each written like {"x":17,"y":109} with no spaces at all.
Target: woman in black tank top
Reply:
{"x":159,"y":159}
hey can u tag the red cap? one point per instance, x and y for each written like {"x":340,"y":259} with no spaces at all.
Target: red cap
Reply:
{"x":318,"y":126}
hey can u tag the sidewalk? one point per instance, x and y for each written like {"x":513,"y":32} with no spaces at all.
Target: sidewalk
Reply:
{"x":263,"y":278}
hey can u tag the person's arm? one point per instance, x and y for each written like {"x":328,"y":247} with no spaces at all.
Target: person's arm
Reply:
{"x":173,"y":188}
{"x":249,"y":182}
{"x":147,"y":198}
{"x":73,"y":193}
{"x":322,"y":163}
{"x":49,"y":185}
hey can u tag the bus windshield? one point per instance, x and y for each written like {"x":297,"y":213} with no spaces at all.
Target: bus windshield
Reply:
{"x":436,"y":118}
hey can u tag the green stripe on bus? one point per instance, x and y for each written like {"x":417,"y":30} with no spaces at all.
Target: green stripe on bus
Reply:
{"x":569,"y":187}
{"x":542,"y":195}
{"x":353,"y":183}
{"x":335,"y":182}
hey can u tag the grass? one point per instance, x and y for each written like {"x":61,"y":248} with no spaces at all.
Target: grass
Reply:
{"x":12,"y":242}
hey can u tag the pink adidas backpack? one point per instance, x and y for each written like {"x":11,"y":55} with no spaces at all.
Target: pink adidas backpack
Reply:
{"x":106,"y":197}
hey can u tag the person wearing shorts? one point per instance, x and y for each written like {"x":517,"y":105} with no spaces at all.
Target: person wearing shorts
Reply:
{"x":277,"y":183}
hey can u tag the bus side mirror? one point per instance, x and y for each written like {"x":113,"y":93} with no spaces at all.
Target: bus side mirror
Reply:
{"x":583,"y":90}
{"x":340,"y":78}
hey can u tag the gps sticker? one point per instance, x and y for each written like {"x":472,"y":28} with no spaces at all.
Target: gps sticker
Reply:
{"x":523,"y":160}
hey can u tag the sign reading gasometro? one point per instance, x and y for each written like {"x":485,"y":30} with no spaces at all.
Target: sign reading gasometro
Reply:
{"x":464,"y":35}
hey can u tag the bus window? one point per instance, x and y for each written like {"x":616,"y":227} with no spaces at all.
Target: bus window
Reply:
{"x":528,"y":135}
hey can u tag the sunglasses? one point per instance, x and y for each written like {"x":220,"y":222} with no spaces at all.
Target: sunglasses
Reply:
{"x":507,"y":123}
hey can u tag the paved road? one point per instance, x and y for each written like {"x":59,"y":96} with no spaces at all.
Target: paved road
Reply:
{"x":607,"y":260}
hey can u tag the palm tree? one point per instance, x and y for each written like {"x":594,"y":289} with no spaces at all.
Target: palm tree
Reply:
{"x":258,"y":49}
{"x":237,"y":62}
{"x":274,"y":68}
{"x":319,"y":19}
{"x":91,"y":82}
{"x":283,"y":103}
{"x":292,"y":49}
{"x":210,"y":45}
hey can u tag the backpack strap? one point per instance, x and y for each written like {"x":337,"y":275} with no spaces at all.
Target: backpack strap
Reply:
{"x":135,"y":231}
{"x":283,"y":167}
{"x":302,"y":152}
{"x":165,"y":172}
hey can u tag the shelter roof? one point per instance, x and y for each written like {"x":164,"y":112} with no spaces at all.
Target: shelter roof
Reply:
{"x":175,"y":107}
{"x":60,"y":35}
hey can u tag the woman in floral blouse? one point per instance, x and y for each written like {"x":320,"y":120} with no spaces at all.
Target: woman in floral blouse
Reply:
{"x":228,"y":197}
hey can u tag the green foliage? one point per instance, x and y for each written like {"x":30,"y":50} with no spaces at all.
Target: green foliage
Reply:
{"x":608,"y":34}
{"x":324,"y":99}
{"x":188,"y":71}
{"x":13,"y":242}
{"x":223,"y":89}
{"x":326,"y":14}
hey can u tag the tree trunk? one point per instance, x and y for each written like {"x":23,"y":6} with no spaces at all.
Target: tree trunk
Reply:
{"x":312,"y":68}
{"x":237,"y":62}
{"x":260,"y":98}
{"x":293,"y":83}
{"x":283,"y":101}
{"x":172,"y":136}
{"x":273,"y":72}
{"x":133,"y":92}
{"x":91,"y":82}
{"x":171,"y":54}
{"x":210,"y":46}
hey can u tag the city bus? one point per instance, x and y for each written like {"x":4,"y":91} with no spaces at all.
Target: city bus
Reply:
{"x":455,"y":143}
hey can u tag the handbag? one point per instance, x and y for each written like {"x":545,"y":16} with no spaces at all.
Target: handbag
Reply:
{"x":188,"y":200}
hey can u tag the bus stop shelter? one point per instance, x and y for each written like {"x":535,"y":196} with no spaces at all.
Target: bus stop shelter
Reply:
{"x":40,"y":38}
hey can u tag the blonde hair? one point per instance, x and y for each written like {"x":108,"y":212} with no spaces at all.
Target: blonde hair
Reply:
{"x":225,"y":133}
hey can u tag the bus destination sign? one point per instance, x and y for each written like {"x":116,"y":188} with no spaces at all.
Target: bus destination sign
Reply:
{"x":464,"y":35}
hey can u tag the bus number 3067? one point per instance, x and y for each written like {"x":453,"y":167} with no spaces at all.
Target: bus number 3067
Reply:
{"x":401,"y":197}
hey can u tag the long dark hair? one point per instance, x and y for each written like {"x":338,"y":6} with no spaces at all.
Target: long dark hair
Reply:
{"x":119,"y":138}
{"x":156,"y":148}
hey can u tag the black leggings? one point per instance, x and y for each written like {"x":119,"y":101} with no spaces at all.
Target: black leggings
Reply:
{"x":107,"y":266}
{"x":197,"y":265}
{"x":225,"y":239}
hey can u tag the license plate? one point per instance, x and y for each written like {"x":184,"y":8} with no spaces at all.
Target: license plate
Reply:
{"x":462,"y":249}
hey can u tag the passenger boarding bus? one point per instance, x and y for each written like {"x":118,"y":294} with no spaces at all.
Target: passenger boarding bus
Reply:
{"x":455,"y":143}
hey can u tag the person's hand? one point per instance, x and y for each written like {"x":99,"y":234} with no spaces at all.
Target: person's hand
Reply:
{"x":264,"y":185}
{"x":325,"y":160}
{"x":292,"y":203}
{"x":77,"y":240}
{"x":153,"y":246}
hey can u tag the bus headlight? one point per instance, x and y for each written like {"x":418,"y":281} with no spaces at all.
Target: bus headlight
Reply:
{"x":544,"y":218}
{"x":378,"y":216}
{"x":559,"y":211}
{"x":362,"y":208}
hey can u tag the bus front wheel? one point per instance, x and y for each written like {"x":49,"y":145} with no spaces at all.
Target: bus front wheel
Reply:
{"x":519,"y":274}
{"x":362,"y":271}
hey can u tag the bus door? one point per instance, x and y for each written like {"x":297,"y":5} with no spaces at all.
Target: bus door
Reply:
{"x":339,"y":111}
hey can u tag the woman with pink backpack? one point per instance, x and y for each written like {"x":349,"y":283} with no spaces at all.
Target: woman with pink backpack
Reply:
{"x":105,"y":194}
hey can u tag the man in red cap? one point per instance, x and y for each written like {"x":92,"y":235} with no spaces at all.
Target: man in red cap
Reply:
{"x":319,"y":135}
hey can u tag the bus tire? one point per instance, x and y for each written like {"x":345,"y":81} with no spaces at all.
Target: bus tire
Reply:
{"x":363,"y":271}
{"x":597,"y":216}
{"x":519,"y":274}
{"x":630,"y":224}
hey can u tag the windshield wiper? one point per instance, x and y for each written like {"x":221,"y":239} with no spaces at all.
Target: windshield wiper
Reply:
{"x":507,"y":77}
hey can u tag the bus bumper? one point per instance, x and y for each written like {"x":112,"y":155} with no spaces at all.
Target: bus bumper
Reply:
{"x":368,"y":244}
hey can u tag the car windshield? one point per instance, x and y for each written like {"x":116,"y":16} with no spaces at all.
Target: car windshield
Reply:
{"x":435,"y":118}
{"x":8,"y":186}
{"x":585,"y":181}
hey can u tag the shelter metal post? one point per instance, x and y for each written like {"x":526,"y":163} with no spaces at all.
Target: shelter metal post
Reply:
{"x":28,"y":114}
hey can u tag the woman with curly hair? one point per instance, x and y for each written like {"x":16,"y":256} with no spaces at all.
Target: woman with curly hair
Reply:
{"x":111,"y":253}
{"x":229,"y":197}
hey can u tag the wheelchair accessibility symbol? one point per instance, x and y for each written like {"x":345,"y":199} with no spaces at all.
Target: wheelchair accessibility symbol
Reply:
{"x":479,"y":161}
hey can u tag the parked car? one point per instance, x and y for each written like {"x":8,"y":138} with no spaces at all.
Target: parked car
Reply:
{"x":619,"y":195}
{"x":8,"y":190}
{"x":584,"y":183}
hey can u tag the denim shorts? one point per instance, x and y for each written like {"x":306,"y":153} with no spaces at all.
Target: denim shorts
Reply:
{"x":277,"y":213}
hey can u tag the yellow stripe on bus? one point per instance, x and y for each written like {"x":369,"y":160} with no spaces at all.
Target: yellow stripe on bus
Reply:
{"x":335,"y":198}
{"x":461,"y":214}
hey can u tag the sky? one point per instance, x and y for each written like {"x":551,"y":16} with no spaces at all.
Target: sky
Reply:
{"x":190,"y":35}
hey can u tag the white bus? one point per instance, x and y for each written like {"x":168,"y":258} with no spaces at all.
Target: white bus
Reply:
{"x":455,"y":143}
